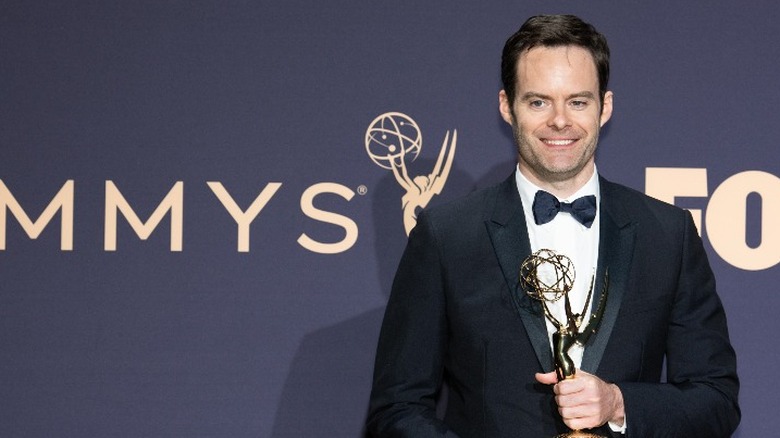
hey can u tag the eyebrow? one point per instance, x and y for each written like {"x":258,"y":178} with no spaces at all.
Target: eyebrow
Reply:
{"x":533,"y":95}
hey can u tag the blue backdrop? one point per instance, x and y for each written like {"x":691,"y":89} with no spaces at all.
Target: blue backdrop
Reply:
{"x":195,"y":241}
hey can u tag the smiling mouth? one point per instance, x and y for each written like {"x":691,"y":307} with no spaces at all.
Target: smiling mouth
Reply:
{"x":566,"y":142}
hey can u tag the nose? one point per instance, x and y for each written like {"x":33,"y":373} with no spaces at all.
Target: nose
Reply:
{"x":559,"y":118}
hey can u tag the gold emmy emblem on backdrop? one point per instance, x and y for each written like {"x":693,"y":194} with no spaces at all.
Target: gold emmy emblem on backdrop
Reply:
{"x":391,"y":140}
{"x":547,"y":277}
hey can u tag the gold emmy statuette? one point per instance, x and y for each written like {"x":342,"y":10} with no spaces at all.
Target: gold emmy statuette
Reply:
{"x":547,"y":277}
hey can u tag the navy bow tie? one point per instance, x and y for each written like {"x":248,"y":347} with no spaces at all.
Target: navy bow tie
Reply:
{"x":546,"y":206}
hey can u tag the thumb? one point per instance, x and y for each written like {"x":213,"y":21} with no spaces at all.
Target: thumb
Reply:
{"x":547,"y":378}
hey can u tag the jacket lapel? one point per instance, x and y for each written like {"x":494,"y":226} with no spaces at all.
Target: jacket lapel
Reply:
{"x":509,"y":236}
{"x":616,"y":248}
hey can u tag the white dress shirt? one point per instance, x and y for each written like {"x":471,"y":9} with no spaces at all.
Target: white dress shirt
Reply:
{"x":565,"y":235}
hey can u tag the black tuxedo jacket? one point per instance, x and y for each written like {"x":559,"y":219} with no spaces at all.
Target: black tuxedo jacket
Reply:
{"x":457,"y":316}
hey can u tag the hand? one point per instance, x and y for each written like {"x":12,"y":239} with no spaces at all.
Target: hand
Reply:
{"x":586,"y":401}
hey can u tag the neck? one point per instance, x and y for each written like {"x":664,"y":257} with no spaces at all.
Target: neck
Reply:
{"x":562,"y":187}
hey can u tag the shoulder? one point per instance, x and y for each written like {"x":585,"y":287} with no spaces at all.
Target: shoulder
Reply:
{"x":634,"y":199}
{"x":459,"y":229}
{"x":473,"y":208}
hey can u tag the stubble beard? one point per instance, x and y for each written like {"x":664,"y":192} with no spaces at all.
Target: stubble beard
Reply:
{"x":549,"y":171}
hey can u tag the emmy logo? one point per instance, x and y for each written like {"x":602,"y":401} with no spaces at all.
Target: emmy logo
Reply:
{"x":394,"y":139}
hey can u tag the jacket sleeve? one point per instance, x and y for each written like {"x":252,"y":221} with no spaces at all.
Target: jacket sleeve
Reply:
{"x":699,"y":398}
{"x":412,"y":345}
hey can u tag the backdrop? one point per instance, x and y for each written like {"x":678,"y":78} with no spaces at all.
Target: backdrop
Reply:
{"x":203,"y":202}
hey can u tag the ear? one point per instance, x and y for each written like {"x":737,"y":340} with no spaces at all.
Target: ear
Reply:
{"x":606,"y":108}
{"x":504,"y":108}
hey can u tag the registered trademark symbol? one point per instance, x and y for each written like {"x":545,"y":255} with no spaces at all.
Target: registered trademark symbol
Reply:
{"x":362,"y":190}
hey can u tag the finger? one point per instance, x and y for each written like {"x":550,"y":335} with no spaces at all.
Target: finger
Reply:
{"x":581,"y":423}
{"x":582,"y":373}
{"x":582,"y":381}
{"x":547,"y":378}
{"x":577,"y":418}
{"x":571,"y":386}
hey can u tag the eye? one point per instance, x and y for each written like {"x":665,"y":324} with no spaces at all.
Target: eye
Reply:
{"x":536,"y":103}
{"x":579,"y":104}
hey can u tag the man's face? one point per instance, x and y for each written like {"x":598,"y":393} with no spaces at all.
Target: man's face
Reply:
{"x":556,"y":116}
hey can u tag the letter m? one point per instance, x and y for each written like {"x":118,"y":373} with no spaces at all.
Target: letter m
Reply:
{"x":173,"y":202}
{"x":63,"y":202}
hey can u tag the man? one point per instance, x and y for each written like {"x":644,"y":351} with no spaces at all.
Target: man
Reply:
{"x":457,"y":315}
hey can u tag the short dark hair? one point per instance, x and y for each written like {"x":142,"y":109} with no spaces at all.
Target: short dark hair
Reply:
{"x":554,"y":31}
